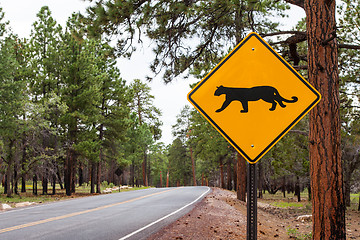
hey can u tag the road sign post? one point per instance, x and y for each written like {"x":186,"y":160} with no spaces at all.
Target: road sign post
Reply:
{"x":252,"y":183}
{"x":253,"y":97}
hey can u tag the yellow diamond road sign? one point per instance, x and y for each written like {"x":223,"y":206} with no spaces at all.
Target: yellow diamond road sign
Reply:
{"x":253,"y":97}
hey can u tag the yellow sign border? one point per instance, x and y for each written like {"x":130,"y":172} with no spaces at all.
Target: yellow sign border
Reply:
{"x":286,"y":130}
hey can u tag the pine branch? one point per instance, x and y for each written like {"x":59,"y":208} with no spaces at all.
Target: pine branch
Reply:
{"x":301,"y":67}
{"x":349,"y":46}
{"x":305,"y":133}
{"x":281,"y":33}
{"x":299,"y":3}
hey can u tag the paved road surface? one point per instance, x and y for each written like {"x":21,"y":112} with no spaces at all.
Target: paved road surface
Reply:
{"x":118,"y":216}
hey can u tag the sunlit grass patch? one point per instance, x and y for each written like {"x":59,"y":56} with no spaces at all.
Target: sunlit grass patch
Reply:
{"x":288,"y":204}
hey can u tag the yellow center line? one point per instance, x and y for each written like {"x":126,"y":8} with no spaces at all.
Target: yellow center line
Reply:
{"x":78,"y":213}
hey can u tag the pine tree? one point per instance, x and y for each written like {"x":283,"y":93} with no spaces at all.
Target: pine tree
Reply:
{"x":114,"y":107}
{"x":80,"y":91}
{"x":44,"y":83}
{"x":12,"y":105}
{"x":188,"y":35}
{"x":147,"y":114}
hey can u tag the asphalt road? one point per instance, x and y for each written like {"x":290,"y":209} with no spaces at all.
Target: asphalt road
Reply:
{"x":119,"y":216}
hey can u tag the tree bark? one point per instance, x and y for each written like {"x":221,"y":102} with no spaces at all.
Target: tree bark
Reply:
{"x":161,"y":183}
{"x":98,"y":175}
{"x":5,"y":184}
{"x":148,"y":176}
{"x":54,"y":184}
{"x":81,"y":175}
{"x":193,"y":166}
{"x":23,"y":160}
{"x":68,"y":167}
{"x":143,"y":165}
{"x":35,"y":184}
{"x":347,"y":192}
{"x":229,"y":181}
{"x":309,"y":190}
{"x":92,"y":178}
{"x":45,"y":183}
{"x":234,"y":162}
{"x":15,"y":181}
{"x":283,"y":186}
{"x":23,"y":183}
{"x":222,"y":182}
{"x":261,"y":180}
{"x":59,"y":177}
{"x":132,"y":174}
{"x":241,"y":178}
{"x":9,"y":168}
{"x":325,"y":153}
{"x":297,"y":189}
{"x":167,"y":178}
{"x":8,"y":190}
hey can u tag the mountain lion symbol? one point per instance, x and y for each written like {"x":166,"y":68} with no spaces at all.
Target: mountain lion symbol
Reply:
{"x":244,"y":95}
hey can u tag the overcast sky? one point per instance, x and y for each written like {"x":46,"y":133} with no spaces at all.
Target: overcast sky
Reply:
{"x":170,"y":98}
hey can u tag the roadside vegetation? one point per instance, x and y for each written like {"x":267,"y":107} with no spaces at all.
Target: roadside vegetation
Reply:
{"x":69,"y":121}
{"x":81,"y":191}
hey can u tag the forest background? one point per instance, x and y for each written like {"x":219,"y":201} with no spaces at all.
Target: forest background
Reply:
{"x":69,"y":118}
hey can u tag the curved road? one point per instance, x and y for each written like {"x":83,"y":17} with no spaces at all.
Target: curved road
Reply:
{"x":118,"y":216}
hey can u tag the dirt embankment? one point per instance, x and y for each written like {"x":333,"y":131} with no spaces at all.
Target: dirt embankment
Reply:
{"x":221,"y":216}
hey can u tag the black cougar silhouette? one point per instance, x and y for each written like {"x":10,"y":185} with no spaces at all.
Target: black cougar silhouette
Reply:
{"x":244,"y":95}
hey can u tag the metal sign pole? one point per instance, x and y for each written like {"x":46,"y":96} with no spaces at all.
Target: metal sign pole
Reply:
{"x":252,"y":202}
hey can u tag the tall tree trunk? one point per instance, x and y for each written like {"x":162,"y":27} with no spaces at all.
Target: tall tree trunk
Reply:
{"x":112,"y":172}
{"x":297,"y":189}
{"x":98,"y":176}
{"x":325,"y":153}
{"x":235,"y":170}
{"x":81,"y":175}
{"x":92,"y":178}
{"x":193,"y":166}
{"x":241,"y":178}
{"x":309,"y":191}
{"x":54,"y":184}
{"x":59,"y":177}
{"x":161,"y":184}
{"x":23,"y":160}
{"x":73,"y":174}
{"x":132,"y":174}
{"x":261,"y":180}
{"x":167,"y":178}
{"x":347,"y":191}
{"x":8,"y":182}
{"x":35,"y":184}
{"x":68,"y":171}
{"x":45,"y":183}
{"x":222,"y":182}
{"x":15,"y":184}
{"x":5,"y":184}
{"x":23,"y":183}
{"x":101,"y":156}
{"x":149,"y":180}
{"x":229,"y":180}
{"x":143,"y":165}
{"x":283,"y":186}
{"x":9,"y":168}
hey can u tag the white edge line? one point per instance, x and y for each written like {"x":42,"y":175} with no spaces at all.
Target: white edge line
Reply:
{"x":160,"y":219}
